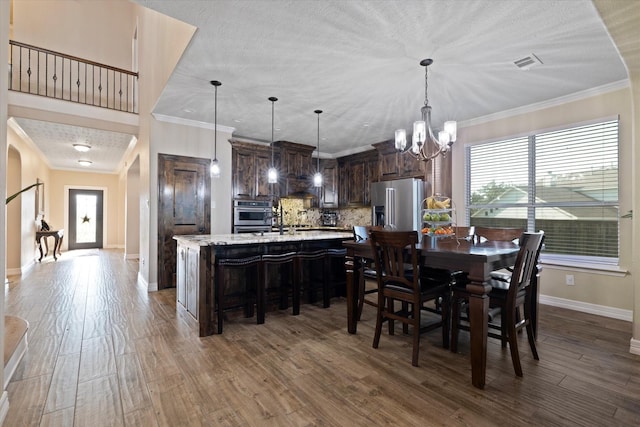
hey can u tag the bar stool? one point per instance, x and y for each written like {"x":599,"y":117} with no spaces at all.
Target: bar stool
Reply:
{"x":337,"y":273}
{"x":305,"y":277}
{"x":287,"y":280}
{"x":244,"y":297}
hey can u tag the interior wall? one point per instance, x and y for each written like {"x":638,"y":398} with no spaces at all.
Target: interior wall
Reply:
{"x":32,"y":168}
{"x":4,"y":88}
{"x":57,"y":26}
{"x":161,"y":42}
{"x":613,"y":290}
{"x":13,"y":227}
{"x":60,"y":181}
{"x":132,"y":212}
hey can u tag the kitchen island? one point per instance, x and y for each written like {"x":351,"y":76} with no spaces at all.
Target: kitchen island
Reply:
{"x":198,"y":256}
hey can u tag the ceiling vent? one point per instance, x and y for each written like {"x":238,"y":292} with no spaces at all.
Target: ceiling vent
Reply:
{"x":528,"y":62}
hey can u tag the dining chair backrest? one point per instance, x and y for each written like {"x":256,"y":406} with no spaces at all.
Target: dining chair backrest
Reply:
{"x":525,"y":267}
{"x":503,"y":234}
{"x":360,"y":233}
{"x":464,"y":232}
{"x":390,"y":249}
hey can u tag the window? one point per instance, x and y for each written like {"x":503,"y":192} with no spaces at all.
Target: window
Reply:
{"x":564,"y":182}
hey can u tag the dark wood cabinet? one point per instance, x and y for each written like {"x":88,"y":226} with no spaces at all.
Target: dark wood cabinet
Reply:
{"x":250,"y":163}
{"x":395,"y":165}
{"x":189,"y":269}
{"x":329,"y":192}
{"x":295,"y":166}
{"x":356,"y":172}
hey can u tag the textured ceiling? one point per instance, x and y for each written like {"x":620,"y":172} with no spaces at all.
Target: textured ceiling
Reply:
{"x":56,"y":140}
{"x":358,"y":60}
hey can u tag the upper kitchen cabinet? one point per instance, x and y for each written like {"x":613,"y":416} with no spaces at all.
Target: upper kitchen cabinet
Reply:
{"x":296,"y":172}
{"x":395,"y":165}
{"x":356,"y":172}
{"x":329,"y":192}
{"x":250,"y":165}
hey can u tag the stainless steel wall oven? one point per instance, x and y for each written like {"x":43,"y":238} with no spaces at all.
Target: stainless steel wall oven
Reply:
{"x":250,"y":216}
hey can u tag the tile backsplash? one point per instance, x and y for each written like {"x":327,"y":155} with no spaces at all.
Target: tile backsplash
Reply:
{"x":295,"y":213}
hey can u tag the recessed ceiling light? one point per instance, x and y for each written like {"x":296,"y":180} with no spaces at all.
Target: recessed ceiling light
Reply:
{"x":237,"y":121}
{"x":85,"y":163}
{"x":83,"y":148}
{"x":366,"y":125}
{"x":188,"y":110}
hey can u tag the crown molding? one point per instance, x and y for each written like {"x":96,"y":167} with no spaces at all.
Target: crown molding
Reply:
{"x":610,"y":87}
{"x":192,"y":123}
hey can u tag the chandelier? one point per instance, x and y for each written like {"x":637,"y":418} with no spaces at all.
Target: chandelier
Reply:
{"x":424,"y":145}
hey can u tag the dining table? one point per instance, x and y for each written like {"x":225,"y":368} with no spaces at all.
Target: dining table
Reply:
{"x":477,"y":259}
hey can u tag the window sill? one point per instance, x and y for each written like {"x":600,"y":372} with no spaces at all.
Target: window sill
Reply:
{"x":585,"y":267}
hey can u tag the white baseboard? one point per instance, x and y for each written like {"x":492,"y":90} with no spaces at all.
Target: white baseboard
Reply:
{"x":131,"y":256}
{"x":634,"y":347}
{"x":600,"y":310}
{"x":14,"y":271}
{"x":26,"y":268}
{"x":4,"y":406}
{"x":150,"y":287}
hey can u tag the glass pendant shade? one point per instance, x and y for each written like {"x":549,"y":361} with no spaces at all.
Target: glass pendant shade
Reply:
{"x":215,"y":166}
{"x":215,"y":169}
{"x":451,"y":127}
{"x":317,"y":179}
{"x":419,"y":132}
{"x":443,"y":138}
{"x":272,"y":175}
{"x":401,"y":139}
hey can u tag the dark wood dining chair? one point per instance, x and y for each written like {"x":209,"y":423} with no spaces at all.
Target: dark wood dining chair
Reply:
{"x":367,"y":272}
{"x":502,"y":234}
{"x":513,"y":298}
{"x":391,"y":250}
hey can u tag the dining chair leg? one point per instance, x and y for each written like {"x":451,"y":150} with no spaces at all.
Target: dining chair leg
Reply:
{"x":416,"y":334}
{"x":391,"y":306}
{"x":379,"y":319}
{"x":531,"y":336}
{"x":361,"y":288}
{"x":405,"y":310}
{"x":446,"y":319}
{"x":513,"y":343}
{"x":455,"y":319}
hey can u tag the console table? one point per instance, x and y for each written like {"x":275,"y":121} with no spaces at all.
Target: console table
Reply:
{"x":57,"y":235}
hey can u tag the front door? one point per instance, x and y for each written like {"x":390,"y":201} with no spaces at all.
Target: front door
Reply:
{"x":184,"y":207}
{"x":85,"y":219}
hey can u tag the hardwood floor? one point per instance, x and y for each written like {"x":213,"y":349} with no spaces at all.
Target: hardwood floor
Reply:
{"x":103,"y":351}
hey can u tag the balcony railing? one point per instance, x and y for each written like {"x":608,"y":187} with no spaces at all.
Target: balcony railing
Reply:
{"x":56,"y":75}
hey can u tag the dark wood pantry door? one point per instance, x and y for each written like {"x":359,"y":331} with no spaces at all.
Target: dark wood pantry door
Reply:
{"x":184,"y":207}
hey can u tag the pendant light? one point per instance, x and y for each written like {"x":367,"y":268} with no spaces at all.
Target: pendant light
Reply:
{"x":272,"y":174}
{"x":317,"y":177}
{"x":215,"y":166}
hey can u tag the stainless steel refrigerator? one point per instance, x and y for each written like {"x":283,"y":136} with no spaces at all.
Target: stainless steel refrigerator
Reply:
{"x":397,"y":205}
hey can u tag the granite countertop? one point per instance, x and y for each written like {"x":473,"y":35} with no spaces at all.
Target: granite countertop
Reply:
{"x":255,"y":238}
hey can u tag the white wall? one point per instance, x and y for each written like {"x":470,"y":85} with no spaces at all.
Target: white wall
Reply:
{"x":592,"y":287}
{"x":4,"y":86}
